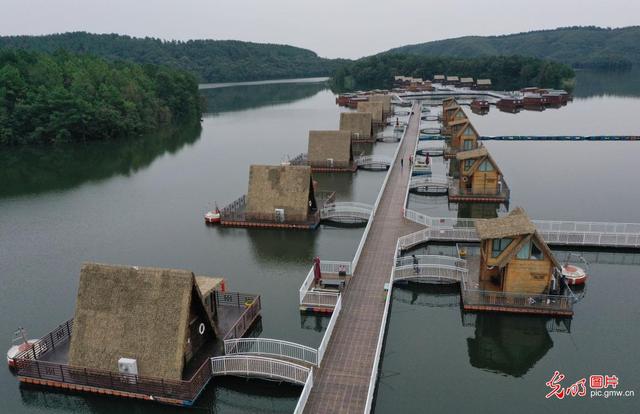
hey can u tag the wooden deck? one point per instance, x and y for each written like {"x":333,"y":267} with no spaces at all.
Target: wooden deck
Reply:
{"x":342,"y":382}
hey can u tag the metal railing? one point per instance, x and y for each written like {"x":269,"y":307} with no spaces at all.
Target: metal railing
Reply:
{"x":327,"y":333}
{"x":304,"y":396}
{"x":440,"y":181}
{"x":347,"y":212}
{"x":235,"y":209}
{"x":478,"y":297}
{"x":374,"y":160}
{"x":300,"y":159}
{"x":332,"y":266}
{"x":321,"y":299}
{"x":272,"y":347}
{"x":251,"y":304}
{"x":429,"y":273}
{"x":432,"y":259}
{"x":257,"y":366}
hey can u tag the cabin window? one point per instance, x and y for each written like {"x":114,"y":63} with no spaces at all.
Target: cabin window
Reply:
{"x":498,"y":246}
{"x":523,"y":254}
{"x":536,"y":252}
{"x":467,"y":144}
{"x":459,"y":115}
{"x":468,"y":131}
{"x":467,"y":164}
{"x":486,"y":166}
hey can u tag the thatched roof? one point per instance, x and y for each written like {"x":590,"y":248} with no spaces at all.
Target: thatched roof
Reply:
{"x":335,"y":145}
{"x":516,"y":223}
{"x":273,"y":187}
{"x":452,"y":78}
{"x":486,"y":82}
{"x":375,"y":108}
{"x":384,"y":99}
{"x":207,"y":284}
{"x":472,"y":154}
{"x":356,"y":123}
{"x":438,"y":77}
{"x":466,"y":80}
{"x":132,"y":312}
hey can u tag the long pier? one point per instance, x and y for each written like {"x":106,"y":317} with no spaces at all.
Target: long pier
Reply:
{"x":342,"y":382}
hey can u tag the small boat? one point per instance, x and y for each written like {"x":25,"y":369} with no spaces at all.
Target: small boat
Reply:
{"x":21,"y":344}
{"x":574,"y":275}
{"x":212,"y":217}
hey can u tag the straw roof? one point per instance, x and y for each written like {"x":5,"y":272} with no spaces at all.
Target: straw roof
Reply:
{"x":286,"y":187}
{"x":466,"y":80}
{"x":483,"y":82}
{"x":472,"y":154}
{"x":384,"y":99}
{"x":335,"y":145}
{"x":132,"y":312}
{"x":375,"y":108}
{"x":207,"y":284}
{"x":452,"y":78}
{"x":516,"y":223}
{"x":356,"y":123}
{"x":438,"y":77}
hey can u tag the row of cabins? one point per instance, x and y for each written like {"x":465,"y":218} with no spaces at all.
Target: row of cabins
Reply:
{"x":463,"y":82}
{"x":478,"y":177}
{"x":534,"y":98}
{"x":412,"y":84}
{"x":286,"y":196}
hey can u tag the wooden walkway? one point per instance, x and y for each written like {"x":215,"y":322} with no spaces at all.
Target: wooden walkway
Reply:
{"x":341,"y":383}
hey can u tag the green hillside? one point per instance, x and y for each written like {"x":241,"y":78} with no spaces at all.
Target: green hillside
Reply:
{"x":209,"y":60}
{"x":580,"y":47}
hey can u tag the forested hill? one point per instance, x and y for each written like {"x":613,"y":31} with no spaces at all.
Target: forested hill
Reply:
{"x":580,"y":47}
{"x":63,"y":97}
{"x":209,"y":60}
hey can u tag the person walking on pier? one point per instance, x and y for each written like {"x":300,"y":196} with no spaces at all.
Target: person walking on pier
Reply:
{"x":401,"y":163}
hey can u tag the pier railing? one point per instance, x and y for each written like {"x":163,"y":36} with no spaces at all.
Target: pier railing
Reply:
{"x":271,"y":347}
{"x":432,"y":272}
{"x":251,"y":304}
{"x":304,"y":396}
{"x":261,"y":367}
{"x":327,"y":333}
{"x":235,"y":209}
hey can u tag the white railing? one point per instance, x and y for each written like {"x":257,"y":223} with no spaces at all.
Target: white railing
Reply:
{"x":324,"y":299}
{"x":306,"y":285}
{"x":373,"y":159}
{"x":271,"y":347}
{"x":437,"y":273}
{"x":591,"y":239}
{"x":331,"y":266}
{"x":376,"y":361}
{"x":587,"y":227}
{"x":257,"y":366}
{"x":430,"y":259}
{"x":304,"y":396}
{"x":429,"y":181}
{"x":346,"y":210}
{"x":327,"y":333}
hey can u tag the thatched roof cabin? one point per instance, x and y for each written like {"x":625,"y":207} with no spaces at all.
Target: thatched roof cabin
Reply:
{"x":375,"y":108}
{"x":330,"y":149}
{"x":384,"y":99}
{"x":358,"y":123}
{"x":514,"y":255}
{"x":141,"y":313}
{"x":280,"y":193}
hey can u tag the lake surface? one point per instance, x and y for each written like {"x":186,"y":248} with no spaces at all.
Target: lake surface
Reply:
{"x":142,"y":203}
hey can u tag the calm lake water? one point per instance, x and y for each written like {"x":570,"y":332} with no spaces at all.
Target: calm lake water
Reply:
{"x":142,"y":202}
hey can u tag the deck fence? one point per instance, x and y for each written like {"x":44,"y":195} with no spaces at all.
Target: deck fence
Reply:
{"x":257,"y":366}
{"x":327,"y":333}
{"x":271,"y":347}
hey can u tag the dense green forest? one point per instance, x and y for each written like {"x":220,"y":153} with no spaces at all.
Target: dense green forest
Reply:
{"x":62,"y":97}
{"x":581,"y":47}
{"x":209,"y":60}
{"x":506,"y":72}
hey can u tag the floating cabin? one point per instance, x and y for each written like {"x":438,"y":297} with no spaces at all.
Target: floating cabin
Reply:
{"x":452,"y":80}
{"x":386,"y":103}
{"x":517,"y":270}
{"x":330,"y":151}
{"x":483,"y":84}
{"x":464,"y":136}
{"x":279,"y":196}
{"x":466,"y":82}
{"x":358,"y":124}
{"x":140,"y":332}
{"x":480,"y":179}
{"x":376,"y":111}
{"x":439,"y":79}
{"x":456,"y":118}
{"x":449,"y":108}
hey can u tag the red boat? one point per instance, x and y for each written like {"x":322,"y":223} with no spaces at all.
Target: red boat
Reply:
{"x":574,"y":275}
{"x":213,"y":217}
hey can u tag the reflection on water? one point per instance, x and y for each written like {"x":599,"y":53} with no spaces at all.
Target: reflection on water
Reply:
{"x":508,"y":344}
{"x":241,"y":97}
{"x":276,"y":245}
{"x":314,"y":321}
{"x":36,"y":169}
{"x":598,"y":83}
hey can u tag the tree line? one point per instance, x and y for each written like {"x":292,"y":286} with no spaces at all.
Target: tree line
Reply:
{"x":505,"y":72}
{"x":65,"y":97}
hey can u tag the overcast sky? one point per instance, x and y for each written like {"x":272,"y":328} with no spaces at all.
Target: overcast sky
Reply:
{"x":332,"y":28}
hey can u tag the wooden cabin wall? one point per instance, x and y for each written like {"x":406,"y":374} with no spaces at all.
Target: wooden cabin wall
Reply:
{"x":528,"y":276}
{"x":484,"y":182}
